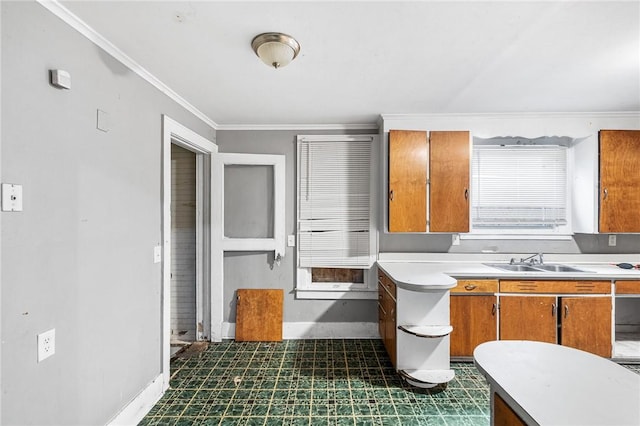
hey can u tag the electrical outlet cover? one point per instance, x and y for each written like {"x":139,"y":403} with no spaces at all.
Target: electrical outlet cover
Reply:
{"x":46,"y":344}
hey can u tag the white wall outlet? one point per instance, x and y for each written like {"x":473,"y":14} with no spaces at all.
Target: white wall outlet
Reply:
{"x":291,"y":240}
{"x":46,"y":344}
{"x":157,"y":254}
{"x":612,"y":240}
{"x":11,"y":197}
{"x":455,"y":239}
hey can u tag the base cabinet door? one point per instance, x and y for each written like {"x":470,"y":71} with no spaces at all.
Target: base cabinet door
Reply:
{"x":474,"y":319}
{"x":529,"y":318}
{"x":586,"y":324}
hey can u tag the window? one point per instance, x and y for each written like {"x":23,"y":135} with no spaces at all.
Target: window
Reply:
{"x":519,"y":189}
{"x":335,"y":227}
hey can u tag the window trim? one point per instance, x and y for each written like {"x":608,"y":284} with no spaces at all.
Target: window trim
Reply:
{"x":305,"y":289}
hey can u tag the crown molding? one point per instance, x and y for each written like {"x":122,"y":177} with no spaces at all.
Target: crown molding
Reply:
{"x":92,"y":35}
{"x":300,"y":127}
{"x":514,"y":115}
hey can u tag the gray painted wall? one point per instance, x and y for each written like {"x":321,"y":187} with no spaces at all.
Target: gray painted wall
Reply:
{"x":254,"y":270}
{"x":79,"y":258}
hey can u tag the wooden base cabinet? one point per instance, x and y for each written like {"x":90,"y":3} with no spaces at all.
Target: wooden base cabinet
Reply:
{"x":473,"y":315}
{"x":581,"y":322}
{"x":529,"y":318}
{"x":586,"y":324}
{"x":387,"y":314}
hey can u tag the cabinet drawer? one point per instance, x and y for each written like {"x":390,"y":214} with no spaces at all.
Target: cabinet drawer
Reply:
{"x":475,"y":286}
{"x":627,"y":287}
{"x":522,"y":286}
{"x":386,"y":282}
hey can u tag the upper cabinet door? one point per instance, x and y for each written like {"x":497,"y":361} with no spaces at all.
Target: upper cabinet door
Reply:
{"x":407,"y":181}
{"x":449,"y":157}
{"x":619,"y":180}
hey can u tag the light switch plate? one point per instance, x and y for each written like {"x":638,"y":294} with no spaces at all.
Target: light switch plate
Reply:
{"x":157,"y":254}
{"x":291,"y":240}
{"x":11,"y":197}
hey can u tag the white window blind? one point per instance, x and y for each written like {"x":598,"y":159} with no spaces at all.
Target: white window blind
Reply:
{"x":334,"y":203}
{"x":519,"y":187}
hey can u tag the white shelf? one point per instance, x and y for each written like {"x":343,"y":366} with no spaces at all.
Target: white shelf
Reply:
{"x":427,"y":378}
{"x":627,"y":345}
{"x":428,"y":331}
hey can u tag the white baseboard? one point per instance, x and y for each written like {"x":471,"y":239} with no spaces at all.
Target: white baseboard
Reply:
{"x":317,"y":330}
{"x":135,"y":410}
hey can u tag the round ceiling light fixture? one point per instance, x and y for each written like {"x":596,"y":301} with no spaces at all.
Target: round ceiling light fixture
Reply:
{"x":275,"y":49}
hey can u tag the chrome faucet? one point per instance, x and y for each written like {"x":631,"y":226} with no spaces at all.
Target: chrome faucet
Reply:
{"x":532,"y":259}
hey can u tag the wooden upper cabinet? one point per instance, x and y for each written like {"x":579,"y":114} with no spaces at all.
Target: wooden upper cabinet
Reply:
{"x":407,"y":181}
{"x":619,"y":180}
{"x":449,"y":156}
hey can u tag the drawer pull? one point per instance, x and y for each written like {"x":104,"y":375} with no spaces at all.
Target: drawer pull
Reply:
{"x":470,"y":287}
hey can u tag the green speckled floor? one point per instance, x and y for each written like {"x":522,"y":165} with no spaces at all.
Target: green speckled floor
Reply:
{"x":311,"y":382}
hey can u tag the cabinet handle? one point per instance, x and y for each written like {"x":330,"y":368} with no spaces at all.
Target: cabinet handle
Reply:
{"x":553,"y":309}
{"x":466,"y":193}
{"x":605,"y":194}
{"x":470,"y":287}
{"x":391,"y":195}
{"x":566,"y":311}
{"x":494,"y":308}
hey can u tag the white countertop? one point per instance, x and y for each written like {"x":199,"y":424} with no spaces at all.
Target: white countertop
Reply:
{"x":417,"y":276}
{"x":474,"y":267}
{"x":551,"y":384}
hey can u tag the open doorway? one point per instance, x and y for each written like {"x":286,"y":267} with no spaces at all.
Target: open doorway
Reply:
{"x":186,"y":234}
{"x":184,"y":217}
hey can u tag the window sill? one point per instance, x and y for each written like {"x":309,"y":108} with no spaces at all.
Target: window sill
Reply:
{"x":337,"y":294}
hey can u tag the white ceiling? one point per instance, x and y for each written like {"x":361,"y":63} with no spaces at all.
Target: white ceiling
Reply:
{"x":362,"y":59}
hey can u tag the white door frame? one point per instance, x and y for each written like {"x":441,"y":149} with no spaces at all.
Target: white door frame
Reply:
{"x":174,"y":132}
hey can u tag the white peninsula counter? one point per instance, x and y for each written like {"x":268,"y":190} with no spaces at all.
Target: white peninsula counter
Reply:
{"x":537,"y":383}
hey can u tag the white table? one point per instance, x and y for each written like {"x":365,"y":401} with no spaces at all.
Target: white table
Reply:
{"x":548,"y":384}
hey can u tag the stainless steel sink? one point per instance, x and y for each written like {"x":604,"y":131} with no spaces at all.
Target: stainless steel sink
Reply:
{"x":515,"y":268}
{"x":558,"y":268}
{"x":544,"y":267}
